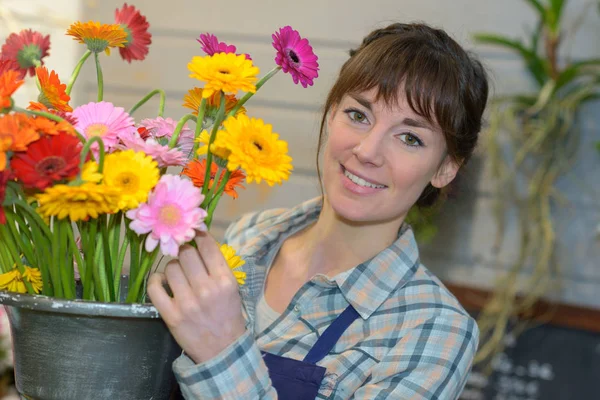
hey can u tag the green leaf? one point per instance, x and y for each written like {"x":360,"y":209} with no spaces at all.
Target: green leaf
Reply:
{"x":554,"y":14}
{"x":538,"y":7}
{"x":534,"y":63}
{"x":574,"y":71}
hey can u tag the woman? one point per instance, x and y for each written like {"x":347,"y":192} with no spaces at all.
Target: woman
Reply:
{"x":336,"y":303}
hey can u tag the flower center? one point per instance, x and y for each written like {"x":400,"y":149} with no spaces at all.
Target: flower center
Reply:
{"x":129,"y":35}
{"x":96,"y":130}
{"x":169,"y":215}
{"x":128,"y":182}
{"x":293,"y":56}
{"x":224,"y":71}
{"x":50,"y":165}
{"x":258,"y":146}
{"x":28,"y":55}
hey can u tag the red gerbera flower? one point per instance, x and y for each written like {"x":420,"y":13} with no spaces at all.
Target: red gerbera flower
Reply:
{"x":138,"y":37}
{"x":47,"y":160}
{"x":28,"y":48}
{"x":4,"y":178}
{"x":195,"y":170}
{"x":295,"y":55}
{"x":10,"y":65}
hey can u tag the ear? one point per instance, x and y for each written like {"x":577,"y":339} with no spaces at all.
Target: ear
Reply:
{"x":445,"y":173}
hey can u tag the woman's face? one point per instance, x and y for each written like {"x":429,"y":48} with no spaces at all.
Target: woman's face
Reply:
{"x":379,"y":159}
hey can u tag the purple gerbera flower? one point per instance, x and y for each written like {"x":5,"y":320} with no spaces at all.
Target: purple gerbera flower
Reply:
{"x":211,"y":45}
{"x":295,"y":55}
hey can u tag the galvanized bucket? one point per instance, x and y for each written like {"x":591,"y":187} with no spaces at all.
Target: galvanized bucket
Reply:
{"x":78,"y":350}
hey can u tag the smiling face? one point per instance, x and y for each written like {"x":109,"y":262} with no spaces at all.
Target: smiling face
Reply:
{"x":379,"y":159}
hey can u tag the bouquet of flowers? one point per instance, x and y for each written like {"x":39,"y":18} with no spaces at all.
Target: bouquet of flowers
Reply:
{"x":83,"y":187}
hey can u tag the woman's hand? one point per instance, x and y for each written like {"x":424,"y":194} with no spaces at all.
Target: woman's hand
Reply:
{"x":205,"y":313}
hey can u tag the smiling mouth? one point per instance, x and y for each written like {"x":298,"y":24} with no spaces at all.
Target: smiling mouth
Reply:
{"x":360,"y":181}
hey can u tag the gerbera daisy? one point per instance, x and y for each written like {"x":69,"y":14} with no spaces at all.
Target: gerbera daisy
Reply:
{"x":103,"y":119}
{"x":211,"y":45}
{"x":295,"y":55}
{"x":9,"y":83}
{"x":134,"y":174}
{"x":11,"y":65}
{"x":234,"y":262}
{"x":5,"y":176}
{"x":255,"y":149}
{"x":162,"y":130}
{"x":89,"y":172}
{"x":58,"y":126}
{"x":47,"y":160}
{"x":225,"y":72}
{"x":52,"y":93}
{"x":196,"y":169}
{"x":138,"y":37}
{"x":171,"y":216}
{"x":13,"y":280}
{"x":28,"y":48}
{"x":98,"y":37}
{"x":162,"y":154}
{"x":18,"y":128}
{"x":194,"y":96}
{"x":78,"y":202}
{"x":5,"y":144}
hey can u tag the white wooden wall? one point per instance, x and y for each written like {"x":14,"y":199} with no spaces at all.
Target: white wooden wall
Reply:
{"x":462,"y":251}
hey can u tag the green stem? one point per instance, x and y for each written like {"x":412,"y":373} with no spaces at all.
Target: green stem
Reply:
{"x":66,"y":271}
{"x":247,"y":96}
{"x":55,"y":274}
{"x":215,"y":200}
{"x":100,"y":78}
{"x":25,"y":243}
{"x":88,"y":242}
{"x":134,"y":256}
{"x":213,"y":135}
{"x":107,"y":272}
{"x":213,"y":189}
{"x":134,"y":290}
{"x":119,"y":266}
{"x":5,"y":260}
{"x":200,"y":125}
{"x":76,"y":71}
{"x":179,"y":127}
{"x":14,"y":254}
{"x":87,"y":148}
{"x":161,"y":104}
{"x":77,"y":255}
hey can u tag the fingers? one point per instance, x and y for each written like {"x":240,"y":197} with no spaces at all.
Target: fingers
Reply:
{"x":159,"y":296}
{"x":211,"y":255}
{"x":192,"y":266}
{"x":178,"y":282}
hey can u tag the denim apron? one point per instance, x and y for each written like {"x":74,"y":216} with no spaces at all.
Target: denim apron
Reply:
{"x":300,"y":380}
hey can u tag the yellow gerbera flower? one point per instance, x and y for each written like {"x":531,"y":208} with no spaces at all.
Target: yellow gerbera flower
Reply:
{"x":194,"y":96}
{"x":204,"y":138}
{"x":89,"y":172}
{"x":225,"y":72}
{"x":98,"y":37}
{"x":78,"y":202}
{"x":254,"y":148}
{"x":13,"y":280}
{"x":133,"y":173}
{"x":234,"y":261}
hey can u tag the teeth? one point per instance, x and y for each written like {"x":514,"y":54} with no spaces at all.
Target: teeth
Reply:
{"x":360,"y":181}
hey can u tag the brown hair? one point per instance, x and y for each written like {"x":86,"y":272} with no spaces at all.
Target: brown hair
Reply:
{"x":442,"y":82}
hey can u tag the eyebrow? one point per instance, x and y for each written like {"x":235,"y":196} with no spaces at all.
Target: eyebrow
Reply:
{"x":362,"y":101}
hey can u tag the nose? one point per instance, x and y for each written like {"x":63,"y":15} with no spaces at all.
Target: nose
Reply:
{"x":369,"y":149}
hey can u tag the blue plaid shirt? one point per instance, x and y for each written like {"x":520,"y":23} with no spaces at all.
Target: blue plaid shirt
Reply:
{"x":413,"y":340}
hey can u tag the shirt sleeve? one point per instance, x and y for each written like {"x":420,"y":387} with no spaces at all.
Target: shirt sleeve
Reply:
{"x":431,"y":362}
{"x":238,"y":372}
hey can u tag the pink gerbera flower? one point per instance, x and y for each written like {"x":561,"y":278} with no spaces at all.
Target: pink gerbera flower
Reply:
{"x":27,"y":48}
{"x":138,"y":37}
{"x":171,"y":216}
{"x":211,"y":45}
{"x":162,"y":154}
{"x":105,"y":120}
{"x":295,"y":55}
{"x":162,"y":129}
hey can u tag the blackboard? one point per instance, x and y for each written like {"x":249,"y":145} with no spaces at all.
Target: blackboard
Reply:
{"x":555,"y":360}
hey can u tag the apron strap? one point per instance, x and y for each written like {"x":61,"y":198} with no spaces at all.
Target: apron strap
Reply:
{"x":331,"y":335}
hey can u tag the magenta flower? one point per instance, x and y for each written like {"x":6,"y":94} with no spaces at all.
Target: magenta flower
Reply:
{"x":295,"y":55}
{"x":162,"y":154}
{"x":171,"y":216}
{"x":162,"y":130}
{"x":211,"y":45}
{"x":105,"y":120}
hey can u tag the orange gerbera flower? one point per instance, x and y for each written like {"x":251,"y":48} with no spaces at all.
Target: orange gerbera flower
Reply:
{"x":53,"y":94}
{"x":9,"y":82}
{"x":98,"y":37}
{"x":5,"y":143}
{"x":194,"y":96}
{"x":49,"y":127}
{"x":195,"y":170}
{"x":17,"y":127}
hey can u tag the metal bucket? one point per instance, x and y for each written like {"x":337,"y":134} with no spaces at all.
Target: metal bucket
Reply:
{"x":82,"y":350}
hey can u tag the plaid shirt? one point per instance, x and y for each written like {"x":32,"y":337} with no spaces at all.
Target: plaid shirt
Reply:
{"x":413,"y":340}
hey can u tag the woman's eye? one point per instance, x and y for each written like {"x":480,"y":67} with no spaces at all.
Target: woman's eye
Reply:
{"x":411,"y":140}
{"x":356,"y":116}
